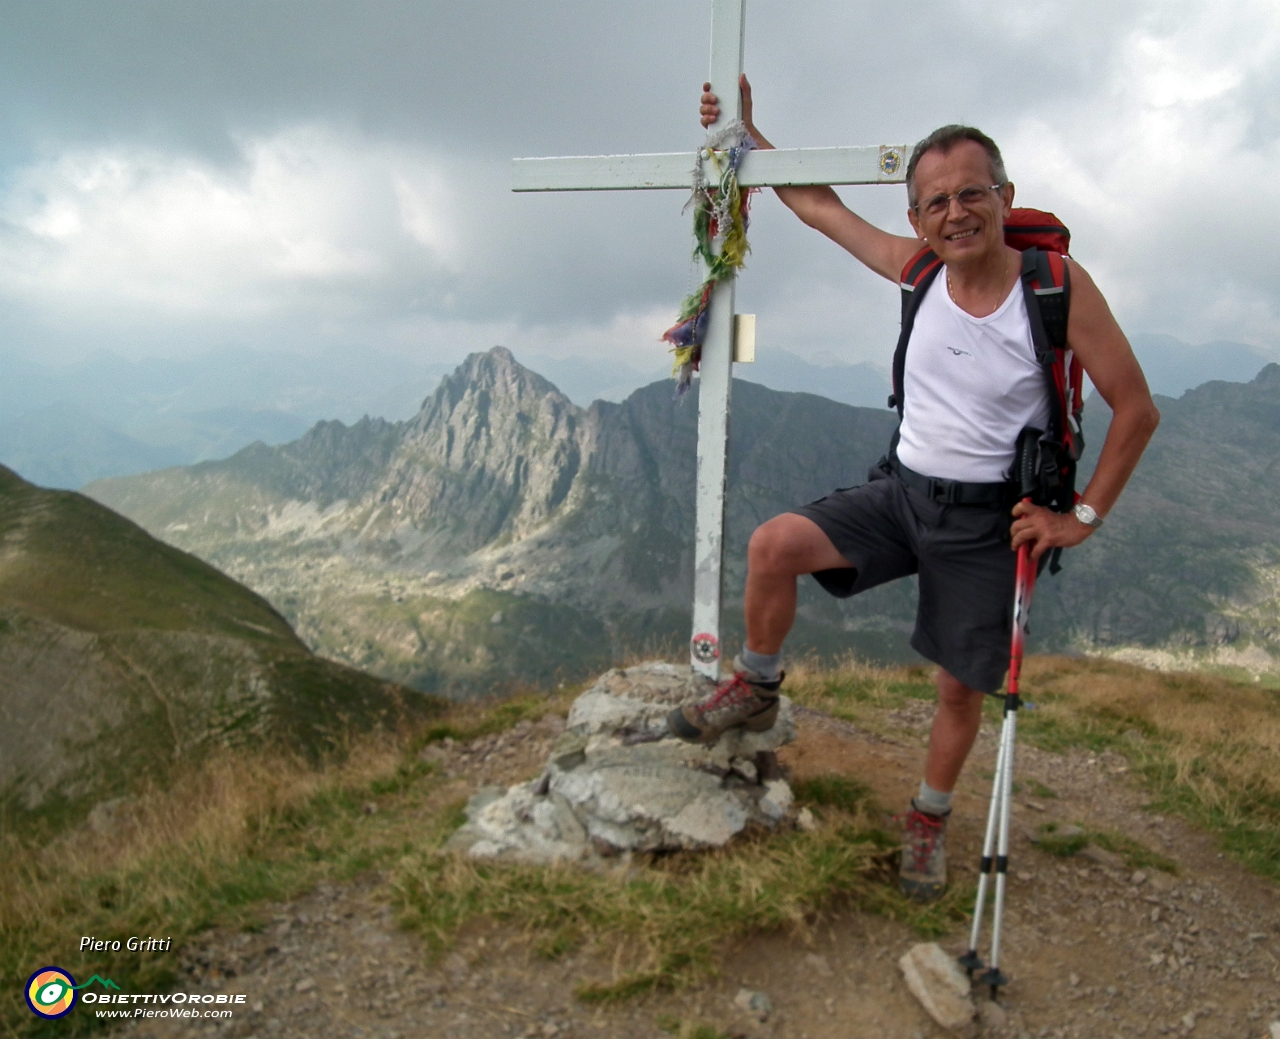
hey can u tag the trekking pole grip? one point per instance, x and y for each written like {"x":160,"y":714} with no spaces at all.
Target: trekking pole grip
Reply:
{"x":1024,"y":583}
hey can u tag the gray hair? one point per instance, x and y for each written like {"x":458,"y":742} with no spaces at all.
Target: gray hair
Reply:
{"x":943,"y":140}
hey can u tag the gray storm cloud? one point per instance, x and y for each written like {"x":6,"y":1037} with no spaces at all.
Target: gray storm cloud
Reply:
{"x":302,"y":172}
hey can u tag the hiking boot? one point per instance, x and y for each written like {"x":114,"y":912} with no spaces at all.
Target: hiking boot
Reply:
{"x":744,"y":701}
{"x":923,"y":872}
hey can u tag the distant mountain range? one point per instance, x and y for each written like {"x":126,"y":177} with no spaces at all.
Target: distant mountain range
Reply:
{"x":63,"y":446}
{"x":504,"y":534}
{"x":1173,"y":367}
{"x":105,"y":416}
{"x":123,"y":658}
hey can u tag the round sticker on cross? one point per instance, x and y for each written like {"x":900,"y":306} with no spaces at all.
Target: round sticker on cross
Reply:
{"x":890,"y":161}
{"x":706,"y":648}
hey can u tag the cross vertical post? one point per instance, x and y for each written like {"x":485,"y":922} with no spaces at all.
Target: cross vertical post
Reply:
{"x":715,"y":384}
{"x":782,"y":167}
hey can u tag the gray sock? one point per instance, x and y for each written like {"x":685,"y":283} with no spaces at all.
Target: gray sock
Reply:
{"x":935,"y":802}
{"x":766,"y":665}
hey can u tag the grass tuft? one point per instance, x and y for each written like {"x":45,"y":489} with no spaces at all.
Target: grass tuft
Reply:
{"x":1062,"y":846}
{"x":1136,"y":855}
{"x":835,"y":791}
{"x":856,"y":691}
{"x":471,"y":720}
{"x":1038,"y":789}
{"x":664,"y":919}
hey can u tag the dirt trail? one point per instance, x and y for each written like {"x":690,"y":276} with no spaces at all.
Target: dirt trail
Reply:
{"x":1094,"y":949}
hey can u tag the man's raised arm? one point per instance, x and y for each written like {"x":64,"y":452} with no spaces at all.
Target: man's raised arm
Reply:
{"x":820,"y":207}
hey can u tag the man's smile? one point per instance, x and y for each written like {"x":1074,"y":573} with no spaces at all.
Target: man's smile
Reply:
{"x":959,"y":235}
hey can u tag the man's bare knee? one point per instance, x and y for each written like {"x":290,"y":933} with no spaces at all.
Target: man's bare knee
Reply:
{"x":768,"y":548}
{"x":791,"y":544}
{"x":955,"y":695}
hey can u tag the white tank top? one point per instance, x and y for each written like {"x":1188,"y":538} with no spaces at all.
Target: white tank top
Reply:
{"x":971,"y":385}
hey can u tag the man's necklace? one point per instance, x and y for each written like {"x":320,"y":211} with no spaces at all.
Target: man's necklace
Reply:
{"x":1004,"y":274}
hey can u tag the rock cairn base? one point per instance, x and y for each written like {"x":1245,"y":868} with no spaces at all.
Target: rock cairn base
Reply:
{"x":617,"y":781}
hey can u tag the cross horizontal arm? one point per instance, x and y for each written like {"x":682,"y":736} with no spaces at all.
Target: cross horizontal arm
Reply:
{"x":780,"y":167}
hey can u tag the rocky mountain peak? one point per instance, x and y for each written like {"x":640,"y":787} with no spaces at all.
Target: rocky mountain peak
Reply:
{"x":492,"y":454}
{"x":488,"y":389}
{"x":496,"y":371}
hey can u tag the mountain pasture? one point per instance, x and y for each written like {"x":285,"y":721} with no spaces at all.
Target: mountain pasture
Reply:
{"x":268,"y":870}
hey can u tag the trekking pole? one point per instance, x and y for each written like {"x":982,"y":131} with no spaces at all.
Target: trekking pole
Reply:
{"x":997,"y":835}
{"x":971,"y":961}
{"x":1023,"y":587}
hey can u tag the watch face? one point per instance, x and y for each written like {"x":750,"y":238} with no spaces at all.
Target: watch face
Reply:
{"x":1087,"y":516}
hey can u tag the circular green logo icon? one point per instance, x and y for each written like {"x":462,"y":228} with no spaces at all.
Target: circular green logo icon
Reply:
{"x":51,"y":992}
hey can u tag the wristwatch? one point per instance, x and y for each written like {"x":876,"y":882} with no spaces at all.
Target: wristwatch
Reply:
{"x":1085,"y":514}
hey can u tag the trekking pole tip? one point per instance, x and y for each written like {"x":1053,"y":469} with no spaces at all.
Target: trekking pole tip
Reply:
{"x":994,"y":978}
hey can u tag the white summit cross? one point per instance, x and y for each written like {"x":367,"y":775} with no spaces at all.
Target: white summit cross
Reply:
{"x":883,"y":164}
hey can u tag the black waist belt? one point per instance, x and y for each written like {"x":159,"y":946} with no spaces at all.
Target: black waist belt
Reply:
{"x":951,"y":492}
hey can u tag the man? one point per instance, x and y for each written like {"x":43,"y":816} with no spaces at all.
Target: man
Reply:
{"x":971,"y":382}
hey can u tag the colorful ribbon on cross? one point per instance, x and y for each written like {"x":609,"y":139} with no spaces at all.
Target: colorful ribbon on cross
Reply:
{"x":719,"y":215}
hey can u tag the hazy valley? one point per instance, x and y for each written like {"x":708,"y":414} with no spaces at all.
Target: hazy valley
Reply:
{"x":505,"y":535}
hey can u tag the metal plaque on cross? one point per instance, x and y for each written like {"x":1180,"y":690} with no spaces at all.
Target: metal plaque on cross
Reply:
{"x":781,"y":167}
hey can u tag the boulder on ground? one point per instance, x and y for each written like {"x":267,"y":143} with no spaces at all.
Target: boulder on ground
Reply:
{"x":941,"y":986}
{"x":618,"y":781}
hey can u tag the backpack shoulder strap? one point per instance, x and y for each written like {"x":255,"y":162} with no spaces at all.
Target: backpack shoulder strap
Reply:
{"x":1046,"y":286}
{"x":1045,"y":289}
{"x":1046,"y":283}
{"x":917,"y":276}
{"x":923,"y":264}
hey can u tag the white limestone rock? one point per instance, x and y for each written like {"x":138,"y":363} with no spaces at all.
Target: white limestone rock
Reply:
{"x":777,"y":800}
{"x":519,"y":824}
{"x":938,"y":982}
{"x":617,"y":781}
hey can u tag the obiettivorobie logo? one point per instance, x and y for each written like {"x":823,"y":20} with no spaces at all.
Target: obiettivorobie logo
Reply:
{"x":51,"y":991}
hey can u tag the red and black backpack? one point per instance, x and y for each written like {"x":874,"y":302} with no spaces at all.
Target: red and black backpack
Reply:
{"x":1046,"y":285}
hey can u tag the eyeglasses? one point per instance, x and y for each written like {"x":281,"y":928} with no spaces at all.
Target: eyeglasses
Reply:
{"x":969,"y":197}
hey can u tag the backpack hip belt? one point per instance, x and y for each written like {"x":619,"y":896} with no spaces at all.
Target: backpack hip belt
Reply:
{"x":949,"y":492}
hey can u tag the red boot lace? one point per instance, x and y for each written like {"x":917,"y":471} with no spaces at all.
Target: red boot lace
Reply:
{"x":732,"y":692}
{"x":923,"y":830}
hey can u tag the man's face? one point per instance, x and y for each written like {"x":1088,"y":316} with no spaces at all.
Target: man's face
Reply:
{"x":960,"y":234}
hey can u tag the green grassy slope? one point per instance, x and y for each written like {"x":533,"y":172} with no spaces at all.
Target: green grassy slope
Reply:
{"x":123,"y":659}
{"x":66,"y":558}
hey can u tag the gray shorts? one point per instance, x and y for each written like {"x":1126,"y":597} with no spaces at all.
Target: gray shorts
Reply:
{"x":961,"y":552}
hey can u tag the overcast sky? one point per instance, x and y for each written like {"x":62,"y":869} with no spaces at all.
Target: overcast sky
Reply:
{"x":306,"y":174}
